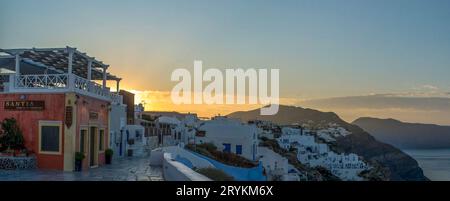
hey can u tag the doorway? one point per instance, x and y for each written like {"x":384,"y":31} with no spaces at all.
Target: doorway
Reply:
{"x":93,"y":148}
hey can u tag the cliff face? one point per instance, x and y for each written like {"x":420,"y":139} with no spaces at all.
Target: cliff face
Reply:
{"x":401,"y":166}
{"x":396,"y":164}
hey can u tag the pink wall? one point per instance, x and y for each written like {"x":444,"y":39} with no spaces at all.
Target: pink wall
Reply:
{"x":85,"y":105}
{"x":29,"y":123}
{"x":55,"y":111}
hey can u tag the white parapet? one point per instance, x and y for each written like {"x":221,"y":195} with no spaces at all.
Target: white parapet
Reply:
{"x":54,"y":83}
{"x":176,"y":171}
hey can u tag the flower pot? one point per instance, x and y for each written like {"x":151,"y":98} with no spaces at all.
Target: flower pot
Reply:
{"x":78,"y":165}
{"x":108,"y":159}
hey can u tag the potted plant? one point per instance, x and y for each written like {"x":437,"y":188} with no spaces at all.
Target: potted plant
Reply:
{"x":108,"y":155}
{"x":11,"y":138}
{"x":79,"y":157}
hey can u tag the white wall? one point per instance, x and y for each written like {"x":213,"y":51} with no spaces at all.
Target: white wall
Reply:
{"x":137,"y":133}
{"x":176,"y":171}
{"x":230,"y":131}
{"x":195,"y":160}
{"x":117,"y":121}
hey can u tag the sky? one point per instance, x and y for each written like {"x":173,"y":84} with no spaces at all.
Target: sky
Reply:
{"x":323,"y":48}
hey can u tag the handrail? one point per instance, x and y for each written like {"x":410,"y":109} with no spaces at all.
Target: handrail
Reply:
{"x":64,"y":82}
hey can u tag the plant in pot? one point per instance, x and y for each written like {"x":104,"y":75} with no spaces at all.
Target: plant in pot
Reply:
{"x":108,"y":156}
{"x":11,"y":138}
{"x":79,"y":157}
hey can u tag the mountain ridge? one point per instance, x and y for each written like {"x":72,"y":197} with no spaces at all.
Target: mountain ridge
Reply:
{"x":406,"y":135}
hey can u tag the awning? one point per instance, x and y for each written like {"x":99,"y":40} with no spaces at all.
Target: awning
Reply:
{"x":4,"y":71}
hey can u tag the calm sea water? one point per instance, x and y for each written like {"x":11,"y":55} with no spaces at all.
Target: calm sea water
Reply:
{"x":435,"y":163}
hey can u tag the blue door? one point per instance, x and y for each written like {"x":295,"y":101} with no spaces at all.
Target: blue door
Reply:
{"x":226,"y":147}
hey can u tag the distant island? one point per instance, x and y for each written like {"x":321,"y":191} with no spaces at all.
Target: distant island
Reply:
{"x":406,"y":135}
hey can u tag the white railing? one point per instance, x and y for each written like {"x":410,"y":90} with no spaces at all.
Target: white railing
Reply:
{"x":41,"y":81}
{"x":60,"y":83}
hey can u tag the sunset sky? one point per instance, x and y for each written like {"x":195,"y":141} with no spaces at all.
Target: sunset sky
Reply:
{"x":323,"y":48}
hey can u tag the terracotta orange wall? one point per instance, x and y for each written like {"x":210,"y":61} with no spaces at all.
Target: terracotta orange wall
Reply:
{"x":54,"y":111}
{"x":85,"y":105}
{"x":29,"y":124}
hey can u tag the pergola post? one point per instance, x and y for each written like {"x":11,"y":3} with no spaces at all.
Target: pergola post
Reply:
{"x":70,"y":61}
{"x":89,"y":70}
{"x":104,"y":77}
{"x":17,"y":64}
{"x":117,"y":86}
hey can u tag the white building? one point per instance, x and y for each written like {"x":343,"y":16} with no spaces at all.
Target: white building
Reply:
{"x":288,"y":141}
{"x":229,"y":135}
{"x":277,"y":167}
{"x":117,"y":122}
{"x":314,"y":154}
{"x":134,"y":141}
{"x":169,"y":130}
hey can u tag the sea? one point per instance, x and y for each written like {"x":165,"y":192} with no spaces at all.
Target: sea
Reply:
{"x":435,"y":163}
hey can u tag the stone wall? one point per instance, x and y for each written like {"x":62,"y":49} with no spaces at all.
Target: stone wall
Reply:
{"x":12,"y":163}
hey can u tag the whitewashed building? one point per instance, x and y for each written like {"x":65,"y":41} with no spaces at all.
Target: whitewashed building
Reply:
{"x":229,"y":135}
{"x":134,"y":140}
{"x":277,"y":167}
{"x":117,"y":122}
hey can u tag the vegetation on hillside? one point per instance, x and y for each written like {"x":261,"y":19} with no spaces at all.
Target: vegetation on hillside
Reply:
{"x":215,"y":174}
{"x":210,"y":150}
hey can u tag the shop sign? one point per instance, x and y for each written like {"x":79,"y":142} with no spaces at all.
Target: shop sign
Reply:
{"x":24,"y":105}
{"x":93,"y":115}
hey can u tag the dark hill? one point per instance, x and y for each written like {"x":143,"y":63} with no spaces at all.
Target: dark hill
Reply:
{"x":406,"y":135}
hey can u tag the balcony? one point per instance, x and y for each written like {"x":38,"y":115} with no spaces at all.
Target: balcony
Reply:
{"x":57,"y":83}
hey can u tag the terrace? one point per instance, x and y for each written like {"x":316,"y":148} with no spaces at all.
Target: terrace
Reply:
{"x":53,"y":70}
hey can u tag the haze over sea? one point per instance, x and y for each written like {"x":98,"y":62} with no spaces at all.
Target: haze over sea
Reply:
{"x":434,"y":162}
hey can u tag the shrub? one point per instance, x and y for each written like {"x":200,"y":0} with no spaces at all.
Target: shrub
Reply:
{"x":210,"y":150}
{"x":215,"y":174}
{"x":79,"y":156}
{"x":208,"y":146}
{"x":109,"y":152}
{"x":11,"y":136}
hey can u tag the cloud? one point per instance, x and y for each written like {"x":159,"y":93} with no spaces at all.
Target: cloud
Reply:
{"x":384,"y":101}
{"x":429,"y":86}
{"x":403,"y":107}
{"x":408,"y":106}
{"x":426,"y":90}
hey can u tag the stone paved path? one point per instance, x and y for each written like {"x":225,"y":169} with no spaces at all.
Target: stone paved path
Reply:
{"x":127,"y":169}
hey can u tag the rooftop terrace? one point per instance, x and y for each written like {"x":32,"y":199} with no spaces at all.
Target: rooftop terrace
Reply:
{"x":50,"y":70}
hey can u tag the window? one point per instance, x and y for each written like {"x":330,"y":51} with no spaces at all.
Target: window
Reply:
{"x":200,"y":134}
{"x":226,"y":147}
{"x":83,"y":135}
{"x":50,"y":137}
{"x":101,"y":141}
{"x":238,"y":149}
{"x":254,"y":151}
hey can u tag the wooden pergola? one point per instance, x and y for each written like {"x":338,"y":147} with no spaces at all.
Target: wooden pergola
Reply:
{"x":64,"y":60}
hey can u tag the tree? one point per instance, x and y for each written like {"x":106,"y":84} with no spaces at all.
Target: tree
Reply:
{"x":10,"y":135}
